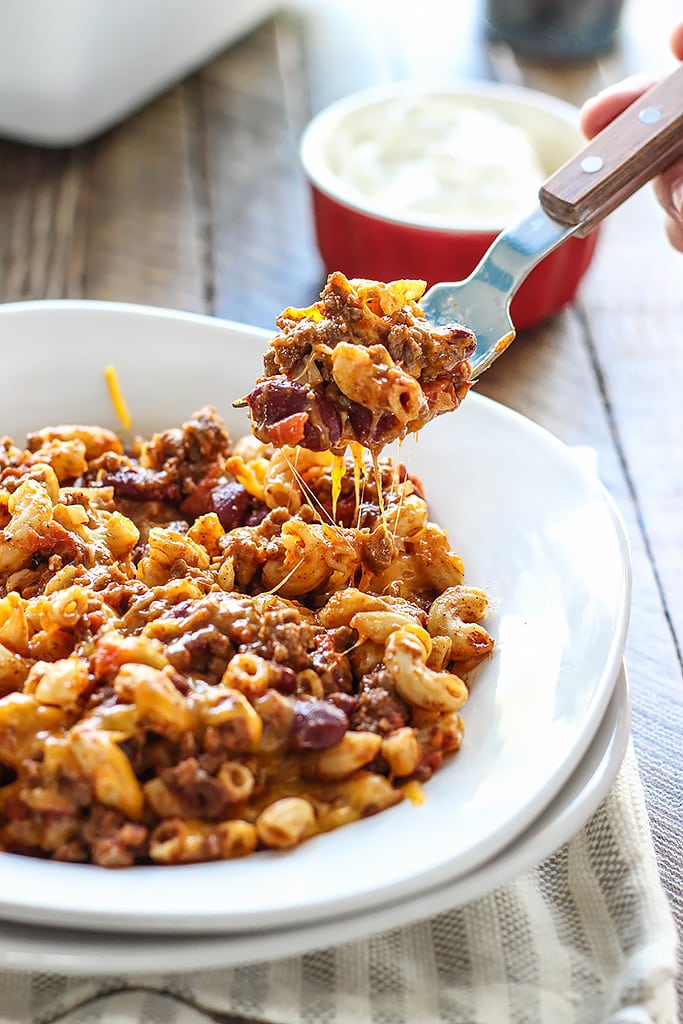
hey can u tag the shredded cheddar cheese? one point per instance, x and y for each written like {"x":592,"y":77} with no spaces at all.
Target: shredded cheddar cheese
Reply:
{"x":116,"y":395}
{"x":338,"y":473}
{"x":380,"y":492}
{"x":414,"y":792}
{"x":358,"y":468}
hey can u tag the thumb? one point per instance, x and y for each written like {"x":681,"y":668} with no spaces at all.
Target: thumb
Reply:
{"x":668,"y":188}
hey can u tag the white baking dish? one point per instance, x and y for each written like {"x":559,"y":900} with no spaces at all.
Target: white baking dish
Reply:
{"x":71,"y":68}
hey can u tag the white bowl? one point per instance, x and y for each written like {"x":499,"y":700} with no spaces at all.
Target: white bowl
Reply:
{"x":535,"y":530}
{"x":68,"y":951}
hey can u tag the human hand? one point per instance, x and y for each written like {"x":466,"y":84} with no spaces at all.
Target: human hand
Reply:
{"x":603,"y":108}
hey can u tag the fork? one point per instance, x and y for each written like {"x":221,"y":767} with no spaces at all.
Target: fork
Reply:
{"x":640,"y":143}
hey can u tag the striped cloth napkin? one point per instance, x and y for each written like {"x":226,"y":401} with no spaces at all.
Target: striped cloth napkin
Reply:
{"x":585,"y":938}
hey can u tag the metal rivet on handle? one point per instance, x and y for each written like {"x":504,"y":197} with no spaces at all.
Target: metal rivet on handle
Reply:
{"x":650,"y":115}
{"x":591,"y":164}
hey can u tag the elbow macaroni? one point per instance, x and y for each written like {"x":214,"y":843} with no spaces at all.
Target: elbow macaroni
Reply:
{"x":208,"y":651}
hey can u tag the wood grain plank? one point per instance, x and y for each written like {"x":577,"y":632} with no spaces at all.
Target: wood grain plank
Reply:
{"x":636,"y":312}
{"x":119,"y":218}
{"x":139,"y":217}
{"x":38,"y":200}
{"x":628,"y":319}
{"x":265,"y":256}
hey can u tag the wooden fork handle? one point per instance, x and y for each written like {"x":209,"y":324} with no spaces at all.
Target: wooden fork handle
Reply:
{"x":642,"y":141}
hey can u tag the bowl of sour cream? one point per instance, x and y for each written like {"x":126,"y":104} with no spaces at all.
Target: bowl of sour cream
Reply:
{"x":415,"y":182}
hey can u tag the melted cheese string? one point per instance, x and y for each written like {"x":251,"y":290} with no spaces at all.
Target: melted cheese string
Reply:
{"x":309,"y":496}
{"x":338,"y":474}
{"x":286,"y":579}
{"x":358,"y":476}
{"x":380,"y":492}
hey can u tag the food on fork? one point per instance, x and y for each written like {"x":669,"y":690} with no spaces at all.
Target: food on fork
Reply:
{"x":198,"y":660}
{"x":361,"y":365}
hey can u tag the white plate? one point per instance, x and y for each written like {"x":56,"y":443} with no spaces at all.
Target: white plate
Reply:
{"x":536,"y":531}
{"x":26,"y":948}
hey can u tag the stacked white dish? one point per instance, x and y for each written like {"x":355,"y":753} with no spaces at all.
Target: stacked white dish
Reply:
{"x":546,"y":725}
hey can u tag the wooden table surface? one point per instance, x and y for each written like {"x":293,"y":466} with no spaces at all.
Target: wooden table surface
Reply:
{"x":197,"y":202}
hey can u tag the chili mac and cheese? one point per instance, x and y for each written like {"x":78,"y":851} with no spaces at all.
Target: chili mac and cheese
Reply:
{"x":198,"y":661}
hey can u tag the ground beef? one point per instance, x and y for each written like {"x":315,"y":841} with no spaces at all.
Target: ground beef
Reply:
{"x":204,"y":652}
{"x":138,"y":483}
{"x":379,"y":709}
{"x":191,"y":452}
{"x":113,"y":841}
{"x":331,"y":665}
{"x":196,"y":793}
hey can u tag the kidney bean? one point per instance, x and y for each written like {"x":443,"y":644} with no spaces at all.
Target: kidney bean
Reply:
{"x":346,"y":702}
{"x":139,"y":552}
{"x":457,"y":333}
{"x":257,"y":514}
{"x":278,"y":399}
{"x":317,"y":725}
{"x":230,"y":501}
{"x":286,"y":679}
{"x":198,"y":501}
{"x":385,"y":429}
{"x":323,"y":430}
{"x":360,"y":419}
{"x":141,"y":484}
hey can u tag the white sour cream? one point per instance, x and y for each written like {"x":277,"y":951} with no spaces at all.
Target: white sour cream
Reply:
{"x":437,"y":160}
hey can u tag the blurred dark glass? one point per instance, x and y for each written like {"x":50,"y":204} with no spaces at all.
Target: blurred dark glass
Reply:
{"x":568,"y":30}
